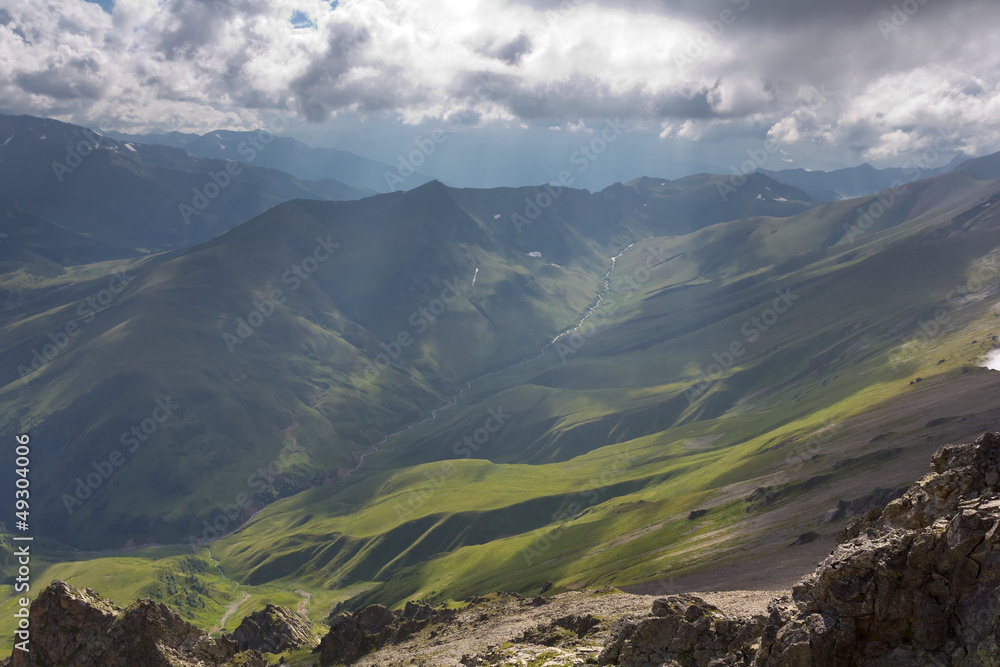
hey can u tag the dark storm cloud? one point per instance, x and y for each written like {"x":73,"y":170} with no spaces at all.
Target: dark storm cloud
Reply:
{"x":512,"y":52}
{"x":573,"y":98}
{"x":318,"y":90}
{"x":74,"y":80}
{"x":466,"y":117}
{"x":323,"y":88}
{"x":581,"y":97}
{"x":689,"y":103}
{"x":776,"y":13}
{"x":885,"y":74}
{"x":199,"y":22}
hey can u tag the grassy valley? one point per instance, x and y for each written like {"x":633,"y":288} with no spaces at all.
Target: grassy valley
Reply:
{"x":730,"y":382}
{"x":652,"y":414}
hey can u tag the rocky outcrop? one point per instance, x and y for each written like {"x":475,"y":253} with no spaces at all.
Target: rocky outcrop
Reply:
{"x":681,"y":631}
{"x":556,"y":632}
{"x":274,"y":629}
{"x":915,"y":584}
{"x":353,"y":636}
{"x":76,"y":627}
{"x":859,"y":506}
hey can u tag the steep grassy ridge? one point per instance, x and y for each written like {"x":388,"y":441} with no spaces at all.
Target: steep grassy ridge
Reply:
{"x":751,"y":353}
{"x":735,"y":380}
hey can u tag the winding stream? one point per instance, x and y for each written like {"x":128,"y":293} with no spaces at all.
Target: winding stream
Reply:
{"x":234,"y":607}
{"x":434,"y":415}
{"x":468,"y":385}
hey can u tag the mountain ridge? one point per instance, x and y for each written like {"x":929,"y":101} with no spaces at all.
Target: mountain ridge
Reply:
{"x":360,"y":316}
{"x":859,"y":181}
{"x":734,"y":376}
{"x":286,"y":154}
{"x":145,"y":198}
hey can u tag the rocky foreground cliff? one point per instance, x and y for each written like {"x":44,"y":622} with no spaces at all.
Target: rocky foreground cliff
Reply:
{"x":77,"y":627}
{"x":914,"y":584}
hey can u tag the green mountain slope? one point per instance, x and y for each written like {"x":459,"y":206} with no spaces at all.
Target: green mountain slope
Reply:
{"x":764,"y":353}
{"x":735,"y":379}
{"x":144,"y":198}
{"x":291,"y":346}
{"x":36,"y":246}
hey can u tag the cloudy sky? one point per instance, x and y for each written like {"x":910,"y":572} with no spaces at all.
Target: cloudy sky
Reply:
{"x":516,"y":88}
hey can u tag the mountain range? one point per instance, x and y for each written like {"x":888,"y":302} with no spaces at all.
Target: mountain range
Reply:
{"x":266,"y":149}
{"x":306,"y":162}
{"x":435,"y":393}
{"x":139,"y":198}
{"x":859,"y":181}
{"x":315,"y":326}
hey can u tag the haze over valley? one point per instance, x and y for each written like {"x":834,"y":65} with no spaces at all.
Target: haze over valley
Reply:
{"x":331,"y":333}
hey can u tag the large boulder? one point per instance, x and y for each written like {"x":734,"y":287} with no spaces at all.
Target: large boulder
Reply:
{"x":352,"y":636}
{"x":681,"y":631}
{"x":274,"y":629}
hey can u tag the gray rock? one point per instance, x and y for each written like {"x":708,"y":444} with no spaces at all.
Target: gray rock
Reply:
{"x":681,"y":630}
{"x":916,"y":585}
{"x":75,"y":627}
{"x":274,"y":629}
{"x":352,"y":636}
